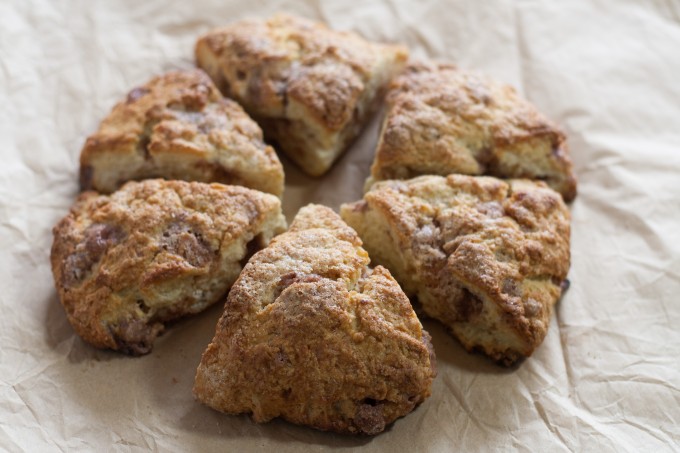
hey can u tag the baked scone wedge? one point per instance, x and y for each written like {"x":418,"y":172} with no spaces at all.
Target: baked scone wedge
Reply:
{"x":488,"y":258}
{"x":442,"y":120}
{"x":311,"y":89}
{"x":312,"y":335}
{"x":152,"y":252}
{"x":178,"y":126}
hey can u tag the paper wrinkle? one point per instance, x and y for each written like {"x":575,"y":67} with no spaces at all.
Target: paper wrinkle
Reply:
{"x":607,"y":376}
{"x":551,"y":427}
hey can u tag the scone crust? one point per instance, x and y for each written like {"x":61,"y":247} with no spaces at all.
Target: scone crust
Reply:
{"x":154,"y":251}
{"x":442,"y":120}
{"x":312,"y":335}
{"x":486,"y":257}
{"x":178,"y":126}
{"x":311,"y":88}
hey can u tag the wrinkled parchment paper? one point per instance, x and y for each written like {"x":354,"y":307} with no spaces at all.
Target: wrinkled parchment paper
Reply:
{"x":607,"y":377}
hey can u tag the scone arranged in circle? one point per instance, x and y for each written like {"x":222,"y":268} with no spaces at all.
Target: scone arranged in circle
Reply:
{"x":178,"y":126}
{"x":442,"y":120}
{"x":311,"y":89}
{"x":487,"y":258}
{"x":152,"y":252}
{"x":312,"y":335}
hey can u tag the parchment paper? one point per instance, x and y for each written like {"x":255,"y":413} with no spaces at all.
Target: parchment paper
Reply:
{"x":607,"y":377}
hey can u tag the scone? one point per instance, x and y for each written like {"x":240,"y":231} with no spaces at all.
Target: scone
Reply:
{"x":311,"y":89}
{"x":152,"y":252}
{"x":442,"y":120}
{"x":312,"y":335}
{"x":487,"y":258}
{"x":178,"y":126}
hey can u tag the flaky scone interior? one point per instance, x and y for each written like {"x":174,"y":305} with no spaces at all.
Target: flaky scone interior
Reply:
{"x":312,"y":89}
{"x":488,"y":258}
{"x":312,"y":335}
{"x":178,"y":126}
{"x":125,"y":264}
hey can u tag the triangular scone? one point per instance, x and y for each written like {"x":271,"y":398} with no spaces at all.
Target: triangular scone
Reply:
{"x":485,"y":257}
{"x":178,"y":126}
{"x":442,"y":120}
{"x":152,"y":252}
{"x":312,"y":335}
{"x":311,"y":89}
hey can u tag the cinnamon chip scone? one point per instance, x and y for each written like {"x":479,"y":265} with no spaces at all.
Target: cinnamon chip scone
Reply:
{"x":312,"y":335}
{"x":487,"y":258}
{"x":152,"y":252}
{"x":442,"y":120}
{"x":311,"y":89}
{"x":178,"y":126}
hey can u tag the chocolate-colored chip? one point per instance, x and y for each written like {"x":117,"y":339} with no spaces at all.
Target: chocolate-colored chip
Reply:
{"x":86,"y":176}
{"x":468,"y":306}
{"x":511,"y":287}
{"x":96,"y":241}
{"x":180,"y":239}
{"x":564,"y":286}
{"x":293,"y":277}
{"x":491,"y":209}
{"x":369,"y":418}
{"x":136,"y":93}
{"x":136,"y":336}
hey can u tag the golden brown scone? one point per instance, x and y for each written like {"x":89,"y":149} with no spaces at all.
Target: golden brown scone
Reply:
{"x":311,"y":89}
{"x":178,"y":126}
{"x":442,"y":120}
{"x":152,"y":252}
{"x":485,"y":257}
{"x":312,"y":335}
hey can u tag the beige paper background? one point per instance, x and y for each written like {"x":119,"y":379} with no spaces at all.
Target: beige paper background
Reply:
{"x":607,"y":377}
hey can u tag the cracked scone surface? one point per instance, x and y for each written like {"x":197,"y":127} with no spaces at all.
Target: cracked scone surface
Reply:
{"x":312,"y":335}
{"x":442,"y":120}
{"x":311,"y":88}
{"x":487,"y":258}
{"x":152,"y":252}
{"x":178,"y":126}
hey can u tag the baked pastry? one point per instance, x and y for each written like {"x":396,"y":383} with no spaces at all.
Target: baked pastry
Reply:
{"x":152,"y":252}
{"x":487,"y":258}
{"x":311,"y":89}
{"x":178,"y":126}
{"x":312,"y":335}
{"x":443,"y":120}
